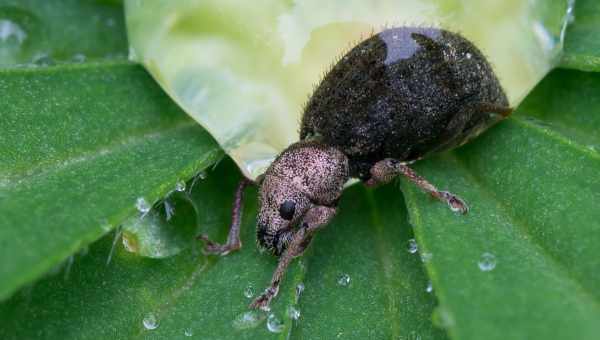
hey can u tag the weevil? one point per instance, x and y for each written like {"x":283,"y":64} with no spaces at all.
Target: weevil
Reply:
{"x":396,"y":97}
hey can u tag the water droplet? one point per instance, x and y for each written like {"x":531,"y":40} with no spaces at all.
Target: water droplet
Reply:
{"x":412,"y":246}
{"x":188,"y":332}
{"x":468,"y":55}
{"x":293,"y":313}
{"x":42,"y":59}
{"x":78,"y":57}
{"x":180,"y":186}
{"x":11,"y":31}
{"x":487,"y":262}
{"x":142,"y":205}
{"x":426,"y":257}
{"x":150,"y":321}
{"x":343,"y":280}
{"x":274,"y":325}
{"x":429,"y":288}
{"x":299,"y":291}
{"x":249,"y":291}
{"x":249,"y":319}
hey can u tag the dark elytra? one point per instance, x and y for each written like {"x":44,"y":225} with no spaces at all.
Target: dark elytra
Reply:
{"x":403,"y":93}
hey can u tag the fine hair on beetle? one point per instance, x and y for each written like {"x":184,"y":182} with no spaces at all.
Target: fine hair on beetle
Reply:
{"x":394,"y":98}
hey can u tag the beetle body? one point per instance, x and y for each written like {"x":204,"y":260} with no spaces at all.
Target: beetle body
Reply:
{"x":396,"y":97}
{"x":402,"y":93}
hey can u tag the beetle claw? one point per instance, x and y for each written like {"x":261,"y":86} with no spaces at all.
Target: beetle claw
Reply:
{"x":214,"y":248}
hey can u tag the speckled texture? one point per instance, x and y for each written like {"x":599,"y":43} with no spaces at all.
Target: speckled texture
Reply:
{"x":307,"y":173}
{"x":403,"y":93}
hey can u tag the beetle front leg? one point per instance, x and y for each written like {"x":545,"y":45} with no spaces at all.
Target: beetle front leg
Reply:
{"x":316,"y":218}
{"x":387,"y":169}
{"x":233,"y":238}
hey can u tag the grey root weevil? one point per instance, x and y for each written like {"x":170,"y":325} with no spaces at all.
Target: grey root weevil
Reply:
{"x":394,"y":98}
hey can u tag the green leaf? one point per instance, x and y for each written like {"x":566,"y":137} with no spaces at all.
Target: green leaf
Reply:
{"x":81,"y":144}
{"x":45,"y":32}
{"x":384,"y":299}
{"x":533,"y":191}
{"x":582,"y":46}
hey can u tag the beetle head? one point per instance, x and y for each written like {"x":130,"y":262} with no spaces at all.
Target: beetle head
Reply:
{"x":305,"y":175}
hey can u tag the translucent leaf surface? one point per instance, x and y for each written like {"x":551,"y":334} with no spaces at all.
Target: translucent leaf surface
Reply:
{"x":190,"y":295}
{"x":80,"y":144}
{"x":523,"y":263}
{"x":269,"y":55}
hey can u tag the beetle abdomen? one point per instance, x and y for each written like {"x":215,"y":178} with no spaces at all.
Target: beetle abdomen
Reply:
{"x":403,"y":93}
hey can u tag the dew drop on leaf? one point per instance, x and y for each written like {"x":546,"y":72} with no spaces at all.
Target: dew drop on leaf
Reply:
{"x":429,"y":288}
{"x":150,"y":321}
{"x":180,"y":186}
{"x":274,"y":325}
{"x":249,"y":319}
{"x":293,"y":313}
{"x":142,"y":205}
{"x":249,"y":291}
{"x":412,"y":246}
{"x":343,"y":279}
{"x":42,"y":59}
{"x":487,"y":262}
{"x":299,"y":291}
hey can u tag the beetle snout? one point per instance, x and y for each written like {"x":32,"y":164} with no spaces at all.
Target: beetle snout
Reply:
{"x":271,"y":239}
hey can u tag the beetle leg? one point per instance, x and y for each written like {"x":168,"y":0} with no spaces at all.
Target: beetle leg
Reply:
{"x":233,"y":238}
{"x":316,"y":218}
{"x":387,"y":169}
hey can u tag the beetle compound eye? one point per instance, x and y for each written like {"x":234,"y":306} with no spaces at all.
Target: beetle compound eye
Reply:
{"x":287,"y":209}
